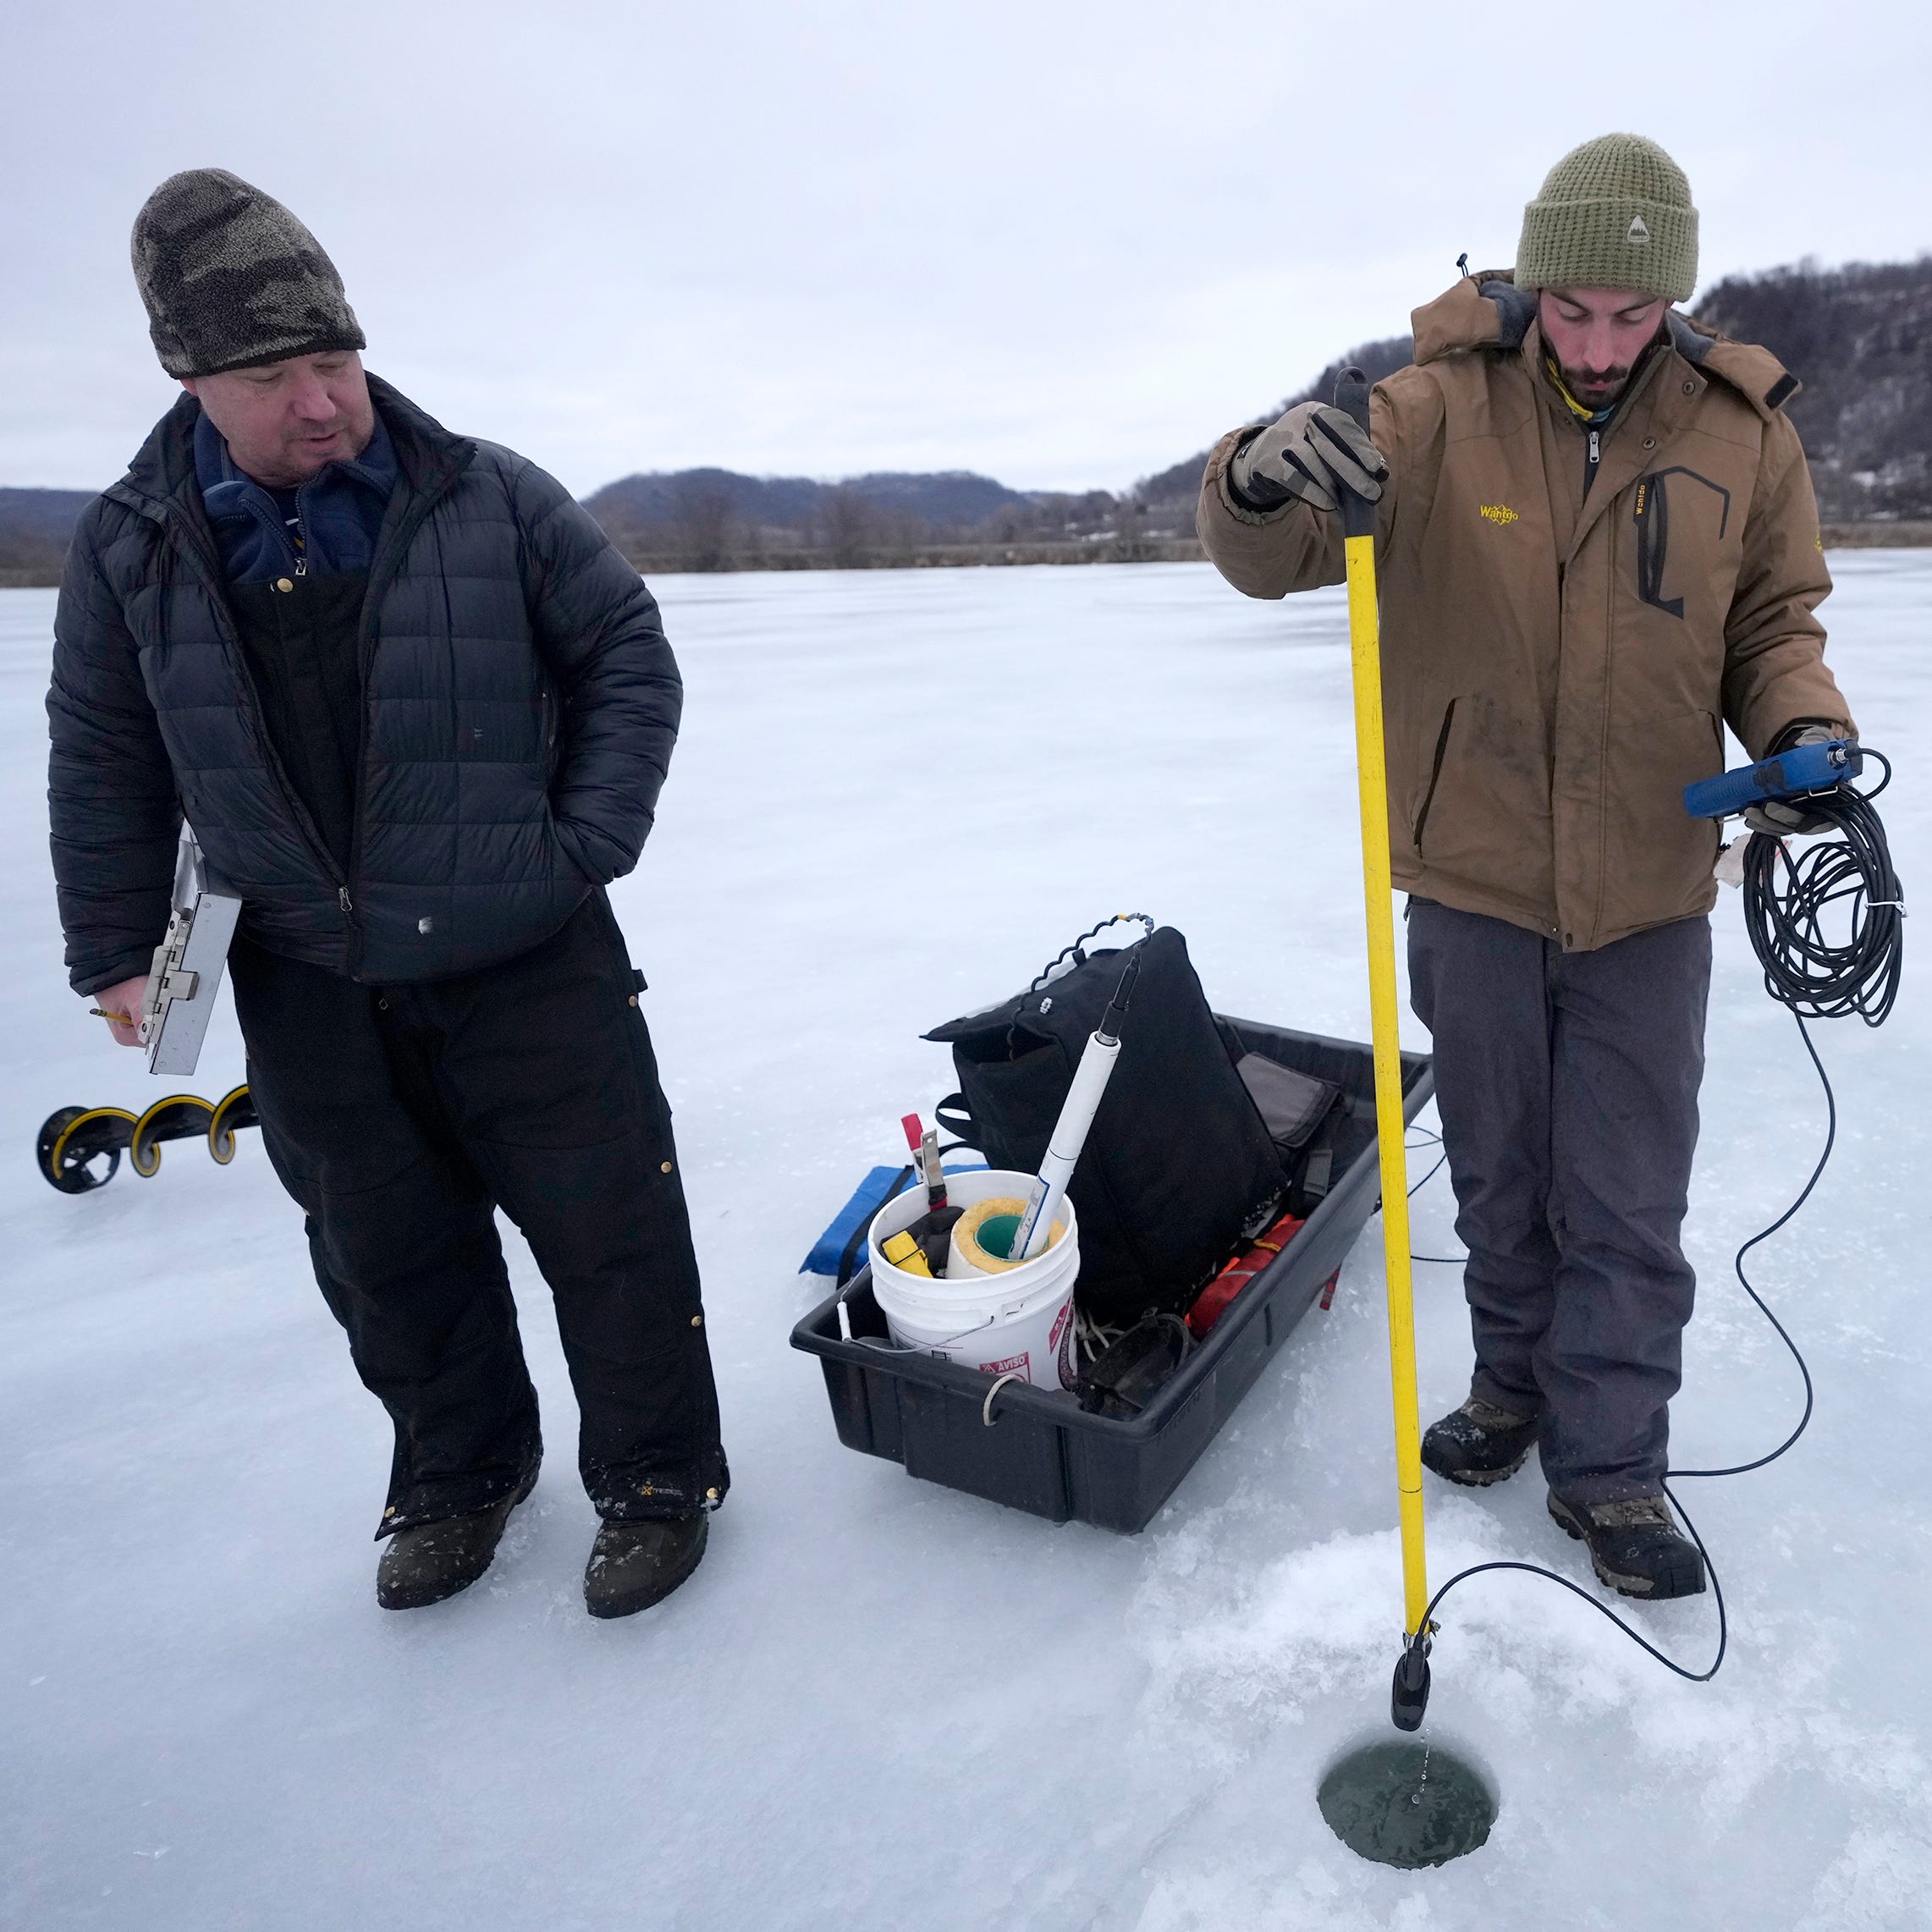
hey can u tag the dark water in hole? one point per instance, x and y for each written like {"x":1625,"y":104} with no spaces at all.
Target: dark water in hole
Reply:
{"x":1407,"y":1803}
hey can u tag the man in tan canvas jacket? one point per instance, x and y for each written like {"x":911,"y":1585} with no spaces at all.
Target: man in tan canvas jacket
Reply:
{"x":1596,"y":545}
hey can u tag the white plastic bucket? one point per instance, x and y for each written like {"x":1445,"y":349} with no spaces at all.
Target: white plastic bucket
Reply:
{"x":1019,"y":1321}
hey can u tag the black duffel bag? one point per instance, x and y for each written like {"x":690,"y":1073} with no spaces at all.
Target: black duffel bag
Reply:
{"x":1178,"y":1163}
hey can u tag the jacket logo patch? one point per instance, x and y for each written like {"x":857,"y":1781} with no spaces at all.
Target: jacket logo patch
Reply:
{"x":1639,"y":233}
{"x":1498,"y":512}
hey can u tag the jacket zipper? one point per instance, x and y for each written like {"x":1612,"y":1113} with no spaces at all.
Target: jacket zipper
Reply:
{"x":1652,"y":517}
{"x":1595,"y":457}
{"x":380,"y":575}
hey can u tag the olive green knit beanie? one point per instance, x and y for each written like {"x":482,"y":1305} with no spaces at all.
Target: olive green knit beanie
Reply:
{"x":1613,"y":213}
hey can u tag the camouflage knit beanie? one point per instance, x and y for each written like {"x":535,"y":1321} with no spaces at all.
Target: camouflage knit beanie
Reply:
{"x":231,"y":278}
{"x":1613,"y":213}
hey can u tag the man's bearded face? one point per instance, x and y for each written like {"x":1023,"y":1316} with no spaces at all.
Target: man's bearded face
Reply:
{"x":1597,"y":336}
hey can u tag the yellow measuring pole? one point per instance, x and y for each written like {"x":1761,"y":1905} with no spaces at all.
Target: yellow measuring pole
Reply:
{"x":1365,"y":650}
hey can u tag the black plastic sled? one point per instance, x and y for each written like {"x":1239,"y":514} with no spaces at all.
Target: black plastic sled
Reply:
{"x":1040,"y":1452}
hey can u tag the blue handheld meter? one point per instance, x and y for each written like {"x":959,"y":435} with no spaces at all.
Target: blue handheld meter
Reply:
{"x":1790,"y":774}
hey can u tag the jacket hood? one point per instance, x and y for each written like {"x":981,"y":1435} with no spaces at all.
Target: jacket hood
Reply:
{"x":164,"y":464}
{"x":1488,"y":310}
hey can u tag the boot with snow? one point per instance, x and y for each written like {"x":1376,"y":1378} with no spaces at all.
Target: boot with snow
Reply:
{"x":1479,"y":1444}
{"x":422,"y":1566}
{"x":635,"y":1564}
{"x":1635,"y":1545}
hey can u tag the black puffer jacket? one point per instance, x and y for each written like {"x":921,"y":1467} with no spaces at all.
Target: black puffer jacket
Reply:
{"x":520,"y":704}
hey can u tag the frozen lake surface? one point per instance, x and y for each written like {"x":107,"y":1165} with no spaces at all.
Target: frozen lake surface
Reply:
{"x":879,"y":1704}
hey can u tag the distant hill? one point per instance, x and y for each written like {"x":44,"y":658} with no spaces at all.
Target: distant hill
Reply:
{"x":948,"y":499}
{"x":35,"y":525}
{"x":1859,"y":338}
{"x":715,"y":519}
{"x":712,"y":519}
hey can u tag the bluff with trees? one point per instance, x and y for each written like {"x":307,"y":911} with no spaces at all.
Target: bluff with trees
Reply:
{"x":1860,"y":339}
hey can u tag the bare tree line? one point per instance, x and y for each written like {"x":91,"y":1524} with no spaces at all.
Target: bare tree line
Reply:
{"x":706,"y":530}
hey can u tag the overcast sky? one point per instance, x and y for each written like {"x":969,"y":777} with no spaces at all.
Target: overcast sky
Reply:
{"x":1063,"y":243}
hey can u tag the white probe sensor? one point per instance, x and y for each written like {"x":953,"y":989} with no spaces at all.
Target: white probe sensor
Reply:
{"x":1082,"y":1102}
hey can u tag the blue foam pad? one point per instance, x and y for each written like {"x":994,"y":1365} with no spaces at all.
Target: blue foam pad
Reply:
{"x":830,"y":1251}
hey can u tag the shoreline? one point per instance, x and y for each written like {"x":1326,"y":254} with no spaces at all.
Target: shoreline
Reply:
{"x":993,"y":556}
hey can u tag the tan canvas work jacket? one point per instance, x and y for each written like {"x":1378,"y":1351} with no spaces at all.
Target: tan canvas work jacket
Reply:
{"x":1558,"y":647}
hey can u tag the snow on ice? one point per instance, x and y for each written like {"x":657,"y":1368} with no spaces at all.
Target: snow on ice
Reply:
{"x":880,"y":1703}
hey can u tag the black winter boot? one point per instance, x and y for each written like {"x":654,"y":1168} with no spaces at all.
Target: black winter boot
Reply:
{"x":1635,"y":1545}
{"x":635,"y":1564}
{"x":1479,"y":1444}
{"x":422,"y":1566}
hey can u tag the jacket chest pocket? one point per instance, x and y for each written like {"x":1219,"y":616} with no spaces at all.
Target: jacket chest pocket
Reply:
{"x":1682,"y":556}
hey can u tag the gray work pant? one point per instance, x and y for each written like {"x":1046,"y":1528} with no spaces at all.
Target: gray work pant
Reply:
{"x":1567,"y":1084}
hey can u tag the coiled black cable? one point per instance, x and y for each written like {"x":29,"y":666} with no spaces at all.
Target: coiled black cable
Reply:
{"x":1843,"y":886}
{"x":1792,"y":907}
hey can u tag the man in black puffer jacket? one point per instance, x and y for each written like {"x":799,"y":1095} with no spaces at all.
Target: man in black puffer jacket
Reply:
{"x":417,"y":710}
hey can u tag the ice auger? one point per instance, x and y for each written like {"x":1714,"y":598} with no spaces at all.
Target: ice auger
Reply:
{"x":75,"y":1139}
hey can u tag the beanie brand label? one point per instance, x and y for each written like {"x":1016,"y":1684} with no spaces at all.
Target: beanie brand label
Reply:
{"x":1639,"y":233}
